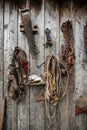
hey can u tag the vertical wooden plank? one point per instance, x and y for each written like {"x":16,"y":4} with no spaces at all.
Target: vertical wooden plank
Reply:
{"x":23,"y":107}
{"x":37,"y":108}
{"x":63,"y":111}
{"x":15,"y":43}
{"x":71,"y":107}
{"x":28,"y":89}
{"x":10,"y":41}
{"x":6,"y":43}
{"x":52,"y":23}
{"x":81,"y":65}
{"x":67,"y":111}
{"x":37,"y":18}
{"x":1,"y":52}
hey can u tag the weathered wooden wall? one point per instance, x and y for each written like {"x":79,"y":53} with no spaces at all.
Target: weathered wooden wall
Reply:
{"x":31,"y":115}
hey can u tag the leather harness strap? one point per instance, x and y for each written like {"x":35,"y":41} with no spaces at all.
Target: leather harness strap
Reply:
{"x":18,"y":74}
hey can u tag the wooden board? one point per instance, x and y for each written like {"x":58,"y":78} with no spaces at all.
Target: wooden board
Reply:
{"x":37,"y":122}
{"x":52,"y":23}
{"x":23,"y":107}
{"x":10,"y":41}
{"x":37,"y":108}
{"x":1,"y":54}
{"x":66,"y":106}
{"x":31,"y":114}
{"x":37,"y":18}
{"x":81,"y":65}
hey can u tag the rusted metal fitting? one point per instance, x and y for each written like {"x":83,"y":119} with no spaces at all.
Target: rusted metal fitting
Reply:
{"x":22,"y":27}
{"x":35,"y":28}
{"x":48,"y":38}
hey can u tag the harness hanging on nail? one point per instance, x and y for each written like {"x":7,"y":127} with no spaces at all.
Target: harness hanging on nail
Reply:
{"x":18,"y":74}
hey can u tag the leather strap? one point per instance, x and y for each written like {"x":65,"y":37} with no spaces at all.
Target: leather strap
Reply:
{"x":18,"y":74}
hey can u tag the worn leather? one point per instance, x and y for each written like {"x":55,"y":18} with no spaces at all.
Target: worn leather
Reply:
{"x":18,"y":74}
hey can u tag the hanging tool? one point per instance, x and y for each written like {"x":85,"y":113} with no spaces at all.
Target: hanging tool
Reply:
{"x":25,"y":14}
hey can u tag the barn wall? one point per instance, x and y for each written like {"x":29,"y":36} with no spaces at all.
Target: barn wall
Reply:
{"x":31,"y":115}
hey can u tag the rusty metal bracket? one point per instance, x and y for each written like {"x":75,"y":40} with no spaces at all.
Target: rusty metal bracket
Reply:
{"x":48,"y":38}
{"x":34,"y":28}
{"x":22,"y":27}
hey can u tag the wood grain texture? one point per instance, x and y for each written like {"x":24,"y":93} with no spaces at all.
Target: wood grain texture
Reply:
{"x":30,"y":114}
{"x":37,"y":109}
{"x":10,"y":41}
{"x":81,"y":65}
{"x":37,"y":18}
{"x":23,"y":107}
{"x":52,"y":23}
{"x":66,"y":106}
{"x":3,"y":114}
{"x":1,"y":54}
